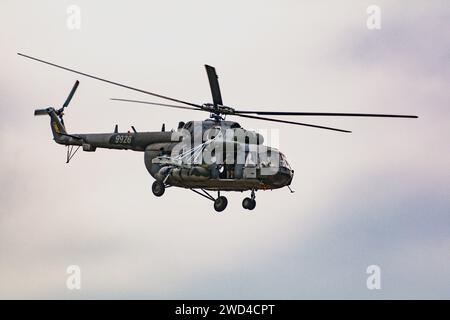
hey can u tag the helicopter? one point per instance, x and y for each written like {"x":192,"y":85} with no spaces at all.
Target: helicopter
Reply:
{"x":214,"y":155}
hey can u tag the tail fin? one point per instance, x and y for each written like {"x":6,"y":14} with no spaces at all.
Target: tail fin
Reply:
{"x":58,"y":128}
{"x":56,"y":118}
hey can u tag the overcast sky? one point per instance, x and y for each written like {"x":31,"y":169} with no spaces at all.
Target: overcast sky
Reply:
{"x":379,"y":196}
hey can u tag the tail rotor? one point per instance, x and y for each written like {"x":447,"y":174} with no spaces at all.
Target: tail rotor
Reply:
{"x":60,"y":112}
{"x":56,"y":118}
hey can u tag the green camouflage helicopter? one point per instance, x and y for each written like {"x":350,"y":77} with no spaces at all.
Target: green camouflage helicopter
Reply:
{"x":210,"y":155}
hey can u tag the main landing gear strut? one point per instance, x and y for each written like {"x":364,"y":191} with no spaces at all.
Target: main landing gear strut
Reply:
{"x":220,"y":203}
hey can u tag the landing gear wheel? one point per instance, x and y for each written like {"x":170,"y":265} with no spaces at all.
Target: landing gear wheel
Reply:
{"x":158,"y":188}
{"x":246,"y":203}
{"x":249,"y":203}
{"x":220,"y":203}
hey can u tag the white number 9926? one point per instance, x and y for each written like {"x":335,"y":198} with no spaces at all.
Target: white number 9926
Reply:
{"x":124,"y":139}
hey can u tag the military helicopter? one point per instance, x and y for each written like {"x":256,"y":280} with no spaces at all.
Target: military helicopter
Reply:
{"x":260,"y":167}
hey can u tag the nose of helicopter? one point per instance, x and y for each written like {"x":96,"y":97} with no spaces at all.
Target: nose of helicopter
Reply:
{"x":284,"y":176}
{"x":281,"y":179}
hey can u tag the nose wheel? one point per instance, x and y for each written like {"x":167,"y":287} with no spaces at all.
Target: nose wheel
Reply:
{"x":249,"y":203}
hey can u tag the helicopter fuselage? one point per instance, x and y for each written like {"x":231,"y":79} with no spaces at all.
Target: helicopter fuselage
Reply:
{"x":227,"y":176}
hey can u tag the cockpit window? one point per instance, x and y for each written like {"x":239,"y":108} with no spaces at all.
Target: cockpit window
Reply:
{"x":283,"y":161}
{"x":268,"y":158}
{"x":188,"y":125}
{"x":213,"y":132}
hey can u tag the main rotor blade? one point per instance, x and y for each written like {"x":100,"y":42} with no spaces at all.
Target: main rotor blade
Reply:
{"x":157,"y":104}
{"x":214,"y":84}
{"x":111,"y":82}
{"x":332,"y":114}
{"x":291,"y":122}
{"x":72,"y":92}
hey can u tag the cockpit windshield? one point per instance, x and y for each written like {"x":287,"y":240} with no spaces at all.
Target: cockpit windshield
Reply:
{"x":283,"y":162}
{"x":188,"y":125}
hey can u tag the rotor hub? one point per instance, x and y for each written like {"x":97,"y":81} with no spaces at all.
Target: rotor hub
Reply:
{"x":218,"y":109}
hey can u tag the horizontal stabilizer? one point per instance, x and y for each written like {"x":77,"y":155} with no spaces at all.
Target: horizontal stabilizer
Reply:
{"x":40,"y":112}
